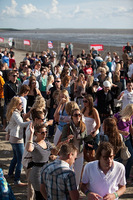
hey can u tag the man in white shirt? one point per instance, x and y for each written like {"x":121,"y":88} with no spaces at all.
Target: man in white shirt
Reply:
{"x":104,"y":178}
{"x":127,"y":95}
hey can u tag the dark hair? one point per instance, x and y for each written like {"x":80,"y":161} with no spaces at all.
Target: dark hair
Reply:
{"x":24,"y":89}
{"x":82,"y":124}
{"x":107,"y":146}
{"x":111,"y":130}
{"x":66,"y":149}
{"x":90,"y":101}
{"x":35,"y":113}
{"x":38,"y":127}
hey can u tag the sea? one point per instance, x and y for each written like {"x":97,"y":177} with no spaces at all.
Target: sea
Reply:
{"x":107,"y":37}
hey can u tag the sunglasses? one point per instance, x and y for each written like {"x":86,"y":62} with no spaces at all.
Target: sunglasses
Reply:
{"x":85,"y":101}
{"x":77,"y":115}
{"x":44,"y":132}
{"x":14,"y":75}
{"x":33,"y":82}
{"x":20,"y":103}
{"x":42,"y":119}
{"x":57,"y":81}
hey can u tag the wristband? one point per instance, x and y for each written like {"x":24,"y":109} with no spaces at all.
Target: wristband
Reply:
{"x":116,"y":195}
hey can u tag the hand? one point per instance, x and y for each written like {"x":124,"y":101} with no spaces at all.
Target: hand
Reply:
{"x":109,"y":197}
{"x":93,"y":134}
{"x":63,"y":100}
{"x":94,"y":196}
{"x":31,"y":128}
{"x":70,"y":137}
{"x":50,"y":122}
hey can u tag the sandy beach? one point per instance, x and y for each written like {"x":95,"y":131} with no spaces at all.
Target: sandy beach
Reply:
{"x":38,"y":46}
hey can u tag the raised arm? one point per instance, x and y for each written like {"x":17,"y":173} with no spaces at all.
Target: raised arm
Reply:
{"x":29,"y":145}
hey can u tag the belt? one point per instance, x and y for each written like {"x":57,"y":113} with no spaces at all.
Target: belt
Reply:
{"x":39,"y":164}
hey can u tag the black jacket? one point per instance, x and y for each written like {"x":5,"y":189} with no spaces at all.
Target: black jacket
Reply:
{"x":105,"y":103}
{"x":11,"y":90}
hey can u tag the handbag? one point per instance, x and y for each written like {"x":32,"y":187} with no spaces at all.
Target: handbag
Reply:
{"x":124,"y":154}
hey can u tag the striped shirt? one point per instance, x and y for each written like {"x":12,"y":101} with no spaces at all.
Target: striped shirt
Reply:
{"x":59,"y":179}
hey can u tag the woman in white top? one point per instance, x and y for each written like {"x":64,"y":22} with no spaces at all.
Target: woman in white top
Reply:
{"x":15,"y":130}
{"x":91,"y":119}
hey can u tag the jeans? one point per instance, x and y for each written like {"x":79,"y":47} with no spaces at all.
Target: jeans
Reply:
{"x":130,"y":160}
{"x":18,"y":150}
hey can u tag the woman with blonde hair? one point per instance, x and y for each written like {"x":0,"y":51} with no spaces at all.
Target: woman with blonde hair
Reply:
{"x":60,"y":112}
{"x":15,"y":130}
{"x":124,"y":121}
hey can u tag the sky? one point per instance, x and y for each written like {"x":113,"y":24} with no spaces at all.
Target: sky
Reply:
{"x":45,"y":14}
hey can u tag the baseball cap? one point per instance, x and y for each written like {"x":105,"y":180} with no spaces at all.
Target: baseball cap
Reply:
{"x":107,"y":84}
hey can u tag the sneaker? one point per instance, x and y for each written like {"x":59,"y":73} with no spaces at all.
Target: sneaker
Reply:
{"x":19,"y":183}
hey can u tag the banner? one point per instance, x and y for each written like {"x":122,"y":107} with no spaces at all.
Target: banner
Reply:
{"x":10,"y":41}
{"x":27,"y":42}
{"x":50,"y":44}
{"x":63,"y":45}
{"x":1,"y":39}
{"x":98,"y":47}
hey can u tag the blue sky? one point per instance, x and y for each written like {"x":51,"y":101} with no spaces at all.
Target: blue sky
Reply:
{"x":29,"y":14}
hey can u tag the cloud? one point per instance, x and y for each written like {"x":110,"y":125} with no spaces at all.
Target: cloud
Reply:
{"x":11,"y":10}
{"x":28,"y":9}
{"x":54,"y":8}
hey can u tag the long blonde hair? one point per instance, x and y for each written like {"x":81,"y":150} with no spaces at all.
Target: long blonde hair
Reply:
{"x":12,"y":106}
{"x":127,"y":112}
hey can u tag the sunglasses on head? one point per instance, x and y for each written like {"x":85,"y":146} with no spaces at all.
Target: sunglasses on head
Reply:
{"x":77,"y":115}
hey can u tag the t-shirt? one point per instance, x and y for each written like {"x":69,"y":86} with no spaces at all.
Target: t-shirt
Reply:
{"x":101,"y":183}
{"x":127,"y":98}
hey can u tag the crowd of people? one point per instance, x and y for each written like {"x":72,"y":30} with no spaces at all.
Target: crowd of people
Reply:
{"x":61,"y":112}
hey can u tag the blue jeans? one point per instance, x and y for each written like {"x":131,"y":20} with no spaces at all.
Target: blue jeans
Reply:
{"x":130,"y":160}
{"x":18,"y":150}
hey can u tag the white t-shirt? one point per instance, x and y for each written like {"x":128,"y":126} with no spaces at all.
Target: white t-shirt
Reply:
{"x":127,"y":98}
{"x":100,"y":183}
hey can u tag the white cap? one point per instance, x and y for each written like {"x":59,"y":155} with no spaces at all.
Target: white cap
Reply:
{"x":107,"y":84}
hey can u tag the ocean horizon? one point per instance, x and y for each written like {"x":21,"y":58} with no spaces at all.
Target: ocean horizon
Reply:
{"x":107,"y":37}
